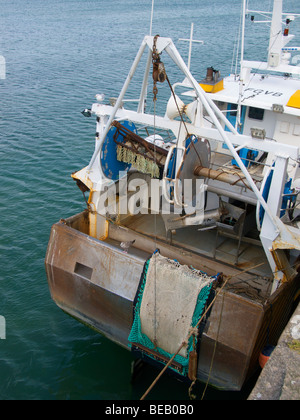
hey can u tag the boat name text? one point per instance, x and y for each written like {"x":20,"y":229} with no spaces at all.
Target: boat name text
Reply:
{"x":266,"y":92}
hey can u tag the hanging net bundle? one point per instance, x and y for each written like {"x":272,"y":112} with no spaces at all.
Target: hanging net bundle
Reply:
{"x":144,"y":156}
{"x":169,"y":302}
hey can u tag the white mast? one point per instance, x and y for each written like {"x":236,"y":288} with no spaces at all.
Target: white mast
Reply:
{"x":151,"y":20}
{"x":278,"y":54}
{"x":190,"y":41}
{"x":276,"y":41}
{"x":241,"y":65}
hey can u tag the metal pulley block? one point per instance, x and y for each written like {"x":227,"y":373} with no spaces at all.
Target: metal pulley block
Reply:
{"x":159,"y":72}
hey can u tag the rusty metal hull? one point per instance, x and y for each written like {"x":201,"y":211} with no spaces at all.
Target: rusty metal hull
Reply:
{"x":92,"y":281}
{"x":96,"y":282}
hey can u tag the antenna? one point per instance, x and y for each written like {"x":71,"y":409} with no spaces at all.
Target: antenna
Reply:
{"x":190,"y":40}
{"x":151,"y":20}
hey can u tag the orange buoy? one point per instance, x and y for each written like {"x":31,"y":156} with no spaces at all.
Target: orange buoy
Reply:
{"x":265,"y":355}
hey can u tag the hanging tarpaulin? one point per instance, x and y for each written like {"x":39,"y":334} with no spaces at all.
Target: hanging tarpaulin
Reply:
{"x":170,"y":301}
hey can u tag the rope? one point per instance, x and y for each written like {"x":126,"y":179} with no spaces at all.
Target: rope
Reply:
{"x":155,"y":58}
{"x":184,"y":343}
{"x":214,"y":351}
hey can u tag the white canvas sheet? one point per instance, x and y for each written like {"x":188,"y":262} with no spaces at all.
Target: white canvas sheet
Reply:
{"x":169,"y":301}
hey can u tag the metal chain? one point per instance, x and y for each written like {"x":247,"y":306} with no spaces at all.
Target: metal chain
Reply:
{"x":155,"y":60}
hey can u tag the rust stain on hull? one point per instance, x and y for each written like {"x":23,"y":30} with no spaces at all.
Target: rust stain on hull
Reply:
{"x":95,"y":282}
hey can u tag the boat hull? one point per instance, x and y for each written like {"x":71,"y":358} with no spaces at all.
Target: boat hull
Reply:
{"x":96,"y":282}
